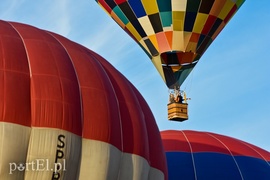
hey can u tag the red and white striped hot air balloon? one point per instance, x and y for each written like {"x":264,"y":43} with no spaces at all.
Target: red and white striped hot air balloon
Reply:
{"x":66,"y":113}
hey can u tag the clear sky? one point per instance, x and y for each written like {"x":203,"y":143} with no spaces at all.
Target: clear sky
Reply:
{"x":229,"y":88}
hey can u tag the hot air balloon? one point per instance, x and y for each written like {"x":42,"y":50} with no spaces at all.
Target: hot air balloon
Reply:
{"x":173,"y":33}
{"x":211,"y":156}
{"x":66,"y":113}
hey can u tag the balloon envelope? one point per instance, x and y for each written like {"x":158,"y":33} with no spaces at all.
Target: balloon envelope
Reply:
{"x":66,"y":113}
{"x":174,"y":33}
{"x":204,"y":155}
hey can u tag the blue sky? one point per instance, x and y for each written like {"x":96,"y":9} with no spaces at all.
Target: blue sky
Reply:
{"x":229,"y":88}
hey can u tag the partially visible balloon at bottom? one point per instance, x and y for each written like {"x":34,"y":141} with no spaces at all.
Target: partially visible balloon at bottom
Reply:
{"x":209,"y":156}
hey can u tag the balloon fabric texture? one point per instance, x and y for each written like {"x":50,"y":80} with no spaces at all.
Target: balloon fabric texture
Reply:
{"x":65,"y":107}
{"x":204,"y":155}
{"x":173,"y":33}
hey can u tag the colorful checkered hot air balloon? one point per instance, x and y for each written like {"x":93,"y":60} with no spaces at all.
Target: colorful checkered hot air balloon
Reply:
{"x":173,"y":33}
{"x":66,"y":113}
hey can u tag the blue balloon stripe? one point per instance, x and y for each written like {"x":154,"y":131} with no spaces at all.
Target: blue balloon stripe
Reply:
{"x":137,"y":7}
{"x":206,"y":165}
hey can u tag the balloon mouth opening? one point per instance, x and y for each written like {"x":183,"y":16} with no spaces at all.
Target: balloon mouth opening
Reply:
{"x":178,"y":58}
{"x":170,"y":64}
{"x":187,"y":64}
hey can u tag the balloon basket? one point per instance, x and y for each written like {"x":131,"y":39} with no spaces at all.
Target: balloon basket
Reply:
{"x":177,"y":111}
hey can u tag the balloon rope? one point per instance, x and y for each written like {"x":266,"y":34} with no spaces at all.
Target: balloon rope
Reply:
{"x":189,"y":82}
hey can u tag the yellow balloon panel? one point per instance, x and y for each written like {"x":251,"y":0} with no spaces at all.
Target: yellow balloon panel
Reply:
{"x":154,"y":41}
{"x":150,"y":6}
{"x":178,"y":41}
{"x":178,"y":20}
{"x":200,"y":22}
{"x":226,"y":9}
